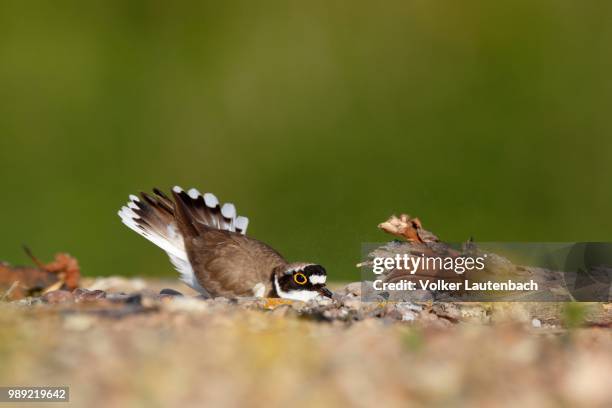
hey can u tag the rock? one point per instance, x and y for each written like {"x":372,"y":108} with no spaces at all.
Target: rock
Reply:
{"x":170,"y":292}
{"x":353,"y":288}
{"x":536,"y":323}
{"x":363,"y":290}
{"x":403,"y":311}
{"x":351,"y":302}
{"x":58,"y":296}
{"x":408,"y":316}
{"x":85,"y":295}
{"x":134,"y":299}
{"x":302,"y":307}
{"x":461,"y":312}
{"x":411,"y":296}
{"x":324,"y":302}
{"x":29,"y":301}
{"x":336,"y":314}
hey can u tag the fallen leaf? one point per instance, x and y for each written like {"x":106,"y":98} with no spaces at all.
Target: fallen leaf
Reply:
{"x":408,"y":228}
{"x":22,"y":281}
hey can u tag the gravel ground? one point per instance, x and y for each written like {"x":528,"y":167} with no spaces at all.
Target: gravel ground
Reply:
{"x":140,"y":348}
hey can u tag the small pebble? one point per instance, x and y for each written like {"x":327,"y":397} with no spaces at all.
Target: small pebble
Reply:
{"x":85,"y":295}
{"x":118,"y":297}
{"x":353,"y":288}
{"x":536,"y":323}
{"x":324,"y":302}
{"x":134,"y":299}
{"x":351,"y":303}
{"x":170,"y":292}
{"x":408,"y":316}
{"x":58,"y":296}
{"x":29,"y":301}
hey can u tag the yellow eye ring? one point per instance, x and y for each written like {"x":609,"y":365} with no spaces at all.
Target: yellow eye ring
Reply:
{"x":300,"y":278}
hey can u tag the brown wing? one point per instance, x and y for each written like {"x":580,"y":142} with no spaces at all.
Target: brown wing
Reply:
{"x":225,"y":263}
{"x":229,"y":264}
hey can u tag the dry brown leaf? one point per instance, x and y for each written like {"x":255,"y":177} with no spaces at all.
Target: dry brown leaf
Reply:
{"x":408,"y":228}
{"x":62,"y":273}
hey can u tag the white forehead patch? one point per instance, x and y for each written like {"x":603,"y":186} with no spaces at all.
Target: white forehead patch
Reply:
{"x":316,"y":279}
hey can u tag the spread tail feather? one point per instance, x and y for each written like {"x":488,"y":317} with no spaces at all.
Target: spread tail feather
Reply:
{"x":205,"y":209}
{"x":154,"y":217}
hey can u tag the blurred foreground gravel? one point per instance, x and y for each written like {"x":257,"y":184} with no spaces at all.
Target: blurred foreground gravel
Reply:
{"x":120,"y":343}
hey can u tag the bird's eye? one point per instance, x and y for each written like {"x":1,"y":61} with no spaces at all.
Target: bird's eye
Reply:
{"x":300,"y":278}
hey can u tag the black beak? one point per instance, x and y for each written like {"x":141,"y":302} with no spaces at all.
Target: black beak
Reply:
{"x":325,"y":292}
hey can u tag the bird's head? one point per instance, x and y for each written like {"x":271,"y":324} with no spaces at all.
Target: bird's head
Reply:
{"x":301,"y":281}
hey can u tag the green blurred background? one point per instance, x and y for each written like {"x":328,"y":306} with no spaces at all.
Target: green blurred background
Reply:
{"x":318,"y":119}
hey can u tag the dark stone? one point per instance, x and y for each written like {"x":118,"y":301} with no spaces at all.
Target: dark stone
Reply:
{"x":129,"y":299}
{"x":85,"y":295}
{"x":170,"y":292}
{"x":135,"y":299}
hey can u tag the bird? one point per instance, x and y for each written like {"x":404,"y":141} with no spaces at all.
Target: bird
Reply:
{"x":207,"y":244}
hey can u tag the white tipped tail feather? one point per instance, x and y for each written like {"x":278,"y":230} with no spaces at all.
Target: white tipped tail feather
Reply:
{"x":153,"y":218}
